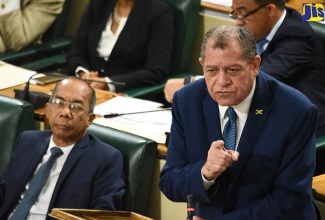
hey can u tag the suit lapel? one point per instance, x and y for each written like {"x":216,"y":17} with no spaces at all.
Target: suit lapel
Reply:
{"x":212,"y":119}
{"x":128,"y":34}
{"x":73,"y":157}
{"x":257,"y":116}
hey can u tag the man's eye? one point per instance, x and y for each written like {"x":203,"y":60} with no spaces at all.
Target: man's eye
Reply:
{"x":75,"y":106}
{"x":232,"y":70}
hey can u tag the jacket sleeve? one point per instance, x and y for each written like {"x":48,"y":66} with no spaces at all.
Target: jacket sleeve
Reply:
{"x":26,"y":25}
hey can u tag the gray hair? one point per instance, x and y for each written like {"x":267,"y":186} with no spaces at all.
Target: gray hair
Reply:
{"x":223,"y":36}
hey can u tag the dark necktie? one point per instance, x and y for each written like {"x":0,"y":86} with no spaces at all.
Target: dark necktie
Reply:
{"x":260,"y":45}
{"x":229,"y":131}
{"x":36,"y":186}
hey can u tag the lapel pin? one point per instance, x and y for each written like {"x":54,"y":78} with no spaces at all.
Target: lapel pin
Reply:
{"x":259,"y":112}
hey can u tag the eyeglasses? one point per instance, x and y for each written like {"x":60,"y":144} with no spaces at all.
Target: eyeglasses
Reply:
{"x":243,"y":17}
{"x":75,"y":108}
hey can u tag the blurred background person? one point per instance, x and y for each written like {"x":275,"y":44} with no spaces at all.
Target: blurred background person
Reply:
{"x":23,"y":22}
{"x":127,"y":41}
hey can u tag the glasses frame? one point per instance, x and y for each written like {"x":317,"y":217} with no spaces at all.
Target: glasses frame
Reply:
{"x":76,"y":110}
{"x":243,"y":17}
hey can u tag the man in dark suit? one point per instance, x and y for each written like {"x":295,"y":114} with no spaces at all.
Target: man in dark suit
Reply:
{"x":89,"y":173}
{"x":268,"y":172}
{"x":141,"y":54}
{"x":293,"y":54}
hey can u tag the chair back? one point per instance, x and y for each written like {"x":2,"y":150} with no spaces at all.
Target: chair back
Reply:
{"x":139,"y":156}
{"x":16,"y":116}
{"x":186,"y":18}
{"x":320,"y":155}
{"x":319,"y":30}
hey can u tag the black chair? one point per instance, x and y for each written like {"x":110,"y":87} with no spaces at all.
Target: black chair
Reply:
{"x":319,"y":30}
{"x":139,"y":161}
{"x":16,"y":116}
{"x":320,"y":156}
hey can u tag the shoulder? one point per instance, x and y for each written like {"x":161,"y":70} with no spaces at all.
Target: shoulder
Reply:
{"x":34,"y":135}
{"x":100,"y":148}
{"x":280,"y":93}
{"x":155,"y":7}
{"x":293,"y":24}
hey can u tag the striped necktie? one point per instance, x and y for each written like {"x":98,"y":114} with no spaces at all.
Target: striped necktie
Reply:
{"x":229,"y":131}
{"x":260,"y":45}
{"x":36,"y":186}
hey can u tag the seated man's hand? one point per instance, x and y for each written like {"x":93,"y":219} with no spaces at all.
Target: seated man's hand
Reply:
{"x":171,"y":87}
{"x":100,"y":81}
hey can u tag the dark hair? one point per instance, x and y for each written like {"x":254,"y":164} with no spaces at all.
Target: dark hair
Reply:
{"x":92,"y":101}
{"x":278,"y":3}
{"x":223,"y":36}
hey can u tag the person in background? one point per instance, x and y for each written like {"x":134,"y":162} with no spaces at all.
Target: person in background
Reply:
{"x":87,"y":174}
{"x":127,"y":41}
{"x":242,"y":143}
{"x":292,"y":53}
{"x":23,"y":22}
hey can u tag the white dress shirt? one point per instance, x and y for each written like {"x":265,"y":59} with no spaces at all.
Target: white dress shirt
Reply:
{"x":7,"y":6}
{"x":242,"y":112}
{"x":39,"y":209}
{"x":106,"y":45}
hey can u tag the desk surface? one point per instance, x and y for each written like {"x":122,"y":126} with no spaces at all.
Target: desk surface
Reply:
{"x":101,"y":96}
{"x":319,"y":186}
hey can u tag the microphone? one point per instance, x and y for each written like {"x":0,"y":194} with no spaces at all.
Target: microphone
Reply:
{"x":190,"y":207}
{"x":111,"y":83}
{"x":113,"y":115}
{"x":38,"y":99}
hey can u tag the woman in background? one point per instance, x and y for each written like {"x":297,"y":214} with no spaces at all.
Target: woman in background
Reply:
{"x":127,"y":41}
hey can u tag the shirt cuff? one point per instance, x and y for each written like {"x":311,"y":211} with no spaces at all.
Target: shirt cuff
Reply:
{"x":80,"y":68}
{"x":110,"y":86}
{"x":9,"y":6}
{"x":207,"y":183}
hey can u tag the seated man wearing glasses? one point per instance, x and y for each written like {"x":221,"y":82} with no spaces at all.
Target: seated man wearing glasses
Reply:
{"x":291,"y":53}
{"x":86,"y":174}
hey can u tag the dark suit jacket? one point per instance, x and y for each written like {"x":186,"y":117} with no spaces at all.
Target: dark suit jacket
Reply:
{"x":142,"y":53}
{"x":272,"y":178}
{"x":91,"y":178}
{"x":295,"y":56}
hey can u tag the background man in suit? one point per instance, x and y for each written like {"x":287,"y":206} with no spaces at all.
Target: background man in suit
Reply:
{"x":268,"y":173}
{"x":293,"y":53}
{"x":88,"y":175}
{"x":126,"y":41}
{"x":23,"y":22}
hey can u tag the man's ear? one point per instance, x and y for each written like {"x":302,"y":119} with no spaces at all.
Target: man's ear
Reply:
{"x":91,"y":118}
{"x":256,"y":64}
{"x":201,"y":61}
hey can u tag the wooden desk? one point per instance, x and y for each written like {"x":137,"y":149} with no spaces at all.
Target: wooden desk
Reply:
{"x":319,"y":186}
{"x":101,"y":96}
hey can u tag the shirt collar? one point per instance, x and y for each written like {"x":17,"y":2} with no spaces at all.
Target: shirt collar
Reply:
{"x":65,"y":150}
{"x":276,"y":26}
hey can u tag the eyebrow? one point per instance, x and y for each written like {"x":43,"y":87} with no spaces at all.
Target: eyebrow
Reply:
{"x":240,"y":8}
{"x":74,"y":101}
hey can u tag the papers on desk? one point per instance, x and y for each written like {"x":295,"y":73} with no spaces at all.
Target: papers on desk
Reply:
{"x":11,"y":75}
{"x":226,"y":3}
{"x":152,"y":125}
